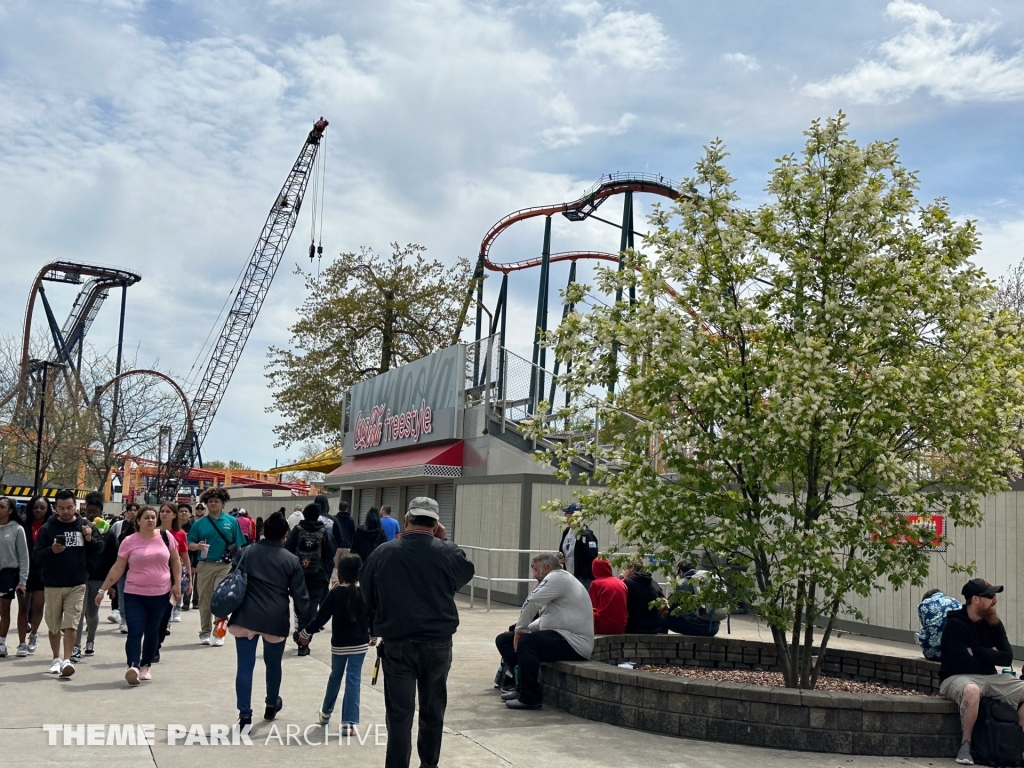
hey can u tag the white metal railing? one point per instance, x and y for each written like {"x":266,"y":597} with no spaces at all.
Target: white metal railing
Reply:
{"x":489,"y":579}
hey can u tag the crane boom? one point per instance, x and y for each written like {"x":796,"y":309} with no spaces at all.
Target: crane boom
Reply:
{"x":263,"y":264}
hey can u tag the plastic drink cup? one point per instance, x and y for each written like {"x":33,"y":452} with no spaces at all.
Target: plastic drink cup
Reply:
{"x":204,"y":550}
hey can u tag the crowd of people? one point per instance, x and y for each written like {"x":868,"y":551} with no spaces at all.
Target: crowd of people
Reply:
{"x":380,"y":584}
{"x":59,"y":564}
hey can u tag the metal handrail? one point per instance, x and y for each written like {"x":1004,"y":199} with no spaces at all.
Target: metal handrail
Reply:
{"x":488,"y":578}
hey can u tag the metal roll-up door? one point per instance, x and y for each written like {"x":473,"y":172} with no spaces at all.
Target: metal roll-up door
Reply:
{"x":412,"y":491}
{"x":365,"y":502}
{"x":389,"y":497}
{"x":445,"y":495}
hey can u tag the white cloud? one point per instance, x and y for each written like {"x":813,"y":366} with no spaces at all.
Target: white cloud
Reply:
{"x":947,"y":59}
{"x":620,"y":39}
{"x":741,"y":60}
{"x":571,"y":134}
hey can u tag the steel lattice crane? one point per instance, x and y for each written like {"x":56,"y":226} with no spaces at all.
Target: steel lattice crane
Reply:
{"x":263,"y":264}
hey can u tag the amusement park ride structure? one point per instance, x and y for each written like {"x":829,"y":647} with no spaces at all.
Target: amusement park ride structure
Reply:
{"x":625,"y":184}
{"x":201,"y":408}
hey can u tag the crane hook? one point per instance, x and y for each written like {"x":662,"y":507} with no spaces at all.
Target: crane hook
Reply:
{"x":312,"y":251}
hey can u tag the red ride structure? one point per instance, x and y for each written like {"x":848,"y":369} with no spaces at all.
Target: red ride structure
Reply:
{"x":583,"y":208}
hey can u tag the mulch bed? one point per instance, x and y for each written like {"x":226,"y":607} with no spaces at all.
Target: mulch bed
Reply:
{"x":775,"y":679}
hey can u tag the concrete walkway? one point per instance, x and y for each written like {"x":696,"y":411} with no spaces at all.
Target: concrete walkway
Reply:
{"x":195,"y":685}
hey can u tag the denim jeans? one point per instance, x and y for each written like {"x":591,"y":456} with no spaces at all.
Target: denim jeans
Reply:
{"x":120,"y":599}
{"x":245,"y":651}
{"x":411,"y":665}
{"x":690,"y":624}
{"x":145,"y":625}
{"x":351,"y":668}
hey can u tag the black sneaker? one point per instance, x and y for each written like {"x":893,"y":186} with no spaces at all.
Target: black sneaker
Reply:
{"x":271,"y":712}
{"x":303,"y":650}
{"x":517,"y":704}
{"x":156,"y":658}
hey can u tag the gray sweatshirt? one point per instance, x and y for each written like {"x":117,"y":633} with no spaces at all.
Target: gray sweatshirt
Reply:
{"x":560,"y":602}
{"x":14,"y":550}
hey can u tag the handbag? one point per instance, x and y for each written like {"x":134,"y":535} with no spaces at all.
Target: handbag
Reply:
{"x":228,"y":595}
{"x":230,"y":548}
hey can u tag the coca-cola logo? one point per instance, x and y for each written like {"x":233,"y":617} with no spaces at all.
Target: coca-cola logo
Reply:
{"x":381,"y":425}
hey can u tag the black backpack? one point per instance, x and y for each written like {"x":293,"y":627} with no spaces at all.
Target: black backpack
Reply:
{"x":997,"y":739}
{"x":309,"y":549}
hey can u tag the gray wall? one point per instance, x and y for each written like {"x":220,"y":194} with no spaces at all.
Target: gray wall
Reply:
{"x":994,"y":547}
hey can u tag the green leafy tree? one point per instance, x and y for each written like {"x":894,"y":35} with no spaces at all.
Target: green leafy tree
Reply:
{"x":363,"y":316}
{"x":833,"y":365}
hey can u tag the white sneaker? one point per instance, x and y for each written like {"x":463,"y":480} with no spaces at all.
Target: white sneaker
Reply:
{"x":144,"y":674}
{"x":3,"y":650}
{"x":55,"y":666}
{"x":67,"y":669}
{"x":124,"y":627}
{"x":216,"y":641}
{"x":176,"y":614}
{"x":22,"y":650}
{"x":32,"y":640}
{"x":132,"y":676}
{"x":114,"y":617}
{"x":204,"y":638}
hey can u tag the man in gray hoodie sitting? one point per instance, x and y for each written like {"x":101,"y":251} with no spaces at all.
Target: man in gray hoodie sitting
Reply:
{"x":555,"y":624}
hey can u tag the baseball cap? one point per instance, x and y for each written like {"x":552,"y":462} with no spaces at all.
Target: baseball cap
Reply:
{"x":571,"y":509}
{"x":980,"y":588}
{"x":424,"y":506}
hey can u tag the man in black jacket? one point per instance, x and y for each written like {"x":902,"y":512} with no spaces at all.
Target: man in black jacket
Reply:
{"x":641,"y":591}
{"x":314,"y":545}
{"x":64,"y":548}
{"x":409,"y":585}
{"x":344,"y":530}
{"x":973,"y":643}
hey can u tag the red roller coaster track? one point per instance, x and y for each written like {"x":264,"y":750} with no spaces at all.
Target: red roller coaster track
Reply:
{"x":578,"y":210}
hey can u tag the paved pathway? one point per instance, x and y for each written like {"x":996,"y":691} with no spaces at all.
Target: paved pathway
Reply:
{"x":195,"y":684}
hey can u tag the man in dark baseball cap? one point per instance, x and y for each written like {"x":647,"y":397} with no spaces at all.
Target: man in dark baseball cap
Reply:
{"x":974,"y":643}
{"x":980,"y":588}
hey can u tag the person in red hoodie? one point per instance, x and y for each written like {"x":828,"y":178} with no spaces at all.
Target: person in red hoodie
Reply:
{"x":608,"y":596}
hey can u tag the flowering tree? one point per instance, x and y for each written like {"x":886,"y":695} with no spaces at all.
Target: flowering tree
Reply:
{"x":831,"y":366}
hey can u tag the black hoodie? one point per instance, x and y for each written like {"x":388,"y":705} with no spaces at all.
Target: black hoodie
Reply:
{"x":641,"y":591}
{"x":987,"y":643}
{"x":71,"y":567}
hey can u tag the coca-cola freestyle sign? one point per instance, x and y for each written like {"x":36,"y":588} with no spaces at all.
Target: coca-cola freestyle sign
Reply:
{"x":418,"y":403}
{"x":381,"y":426}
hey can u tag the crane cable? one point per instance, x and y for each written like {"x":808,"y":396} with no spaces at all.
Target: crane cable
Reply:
{"x":319,"y":180}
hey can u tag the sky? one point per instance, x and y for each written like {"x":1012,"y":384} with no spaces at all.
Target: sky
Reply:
{"x":154,"y":135}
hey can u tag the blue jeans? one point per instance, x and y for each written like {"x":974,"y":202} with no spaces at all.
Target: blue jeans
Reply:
{"x":350,"y":704}
{"x":145,"y":625}
{"x":120,"y":598}
{"x":245,"y":651}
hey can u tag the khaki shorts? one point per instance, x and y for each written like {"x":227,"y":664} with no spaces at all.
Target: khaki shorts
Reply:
{"x":1007,"y":689}
{"x":63,"y":607}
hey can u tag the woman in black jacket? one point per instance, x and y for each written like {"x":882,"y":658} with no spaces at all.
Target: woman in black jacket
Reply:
{"x":272,"y":575}
{"x":369,"y":535}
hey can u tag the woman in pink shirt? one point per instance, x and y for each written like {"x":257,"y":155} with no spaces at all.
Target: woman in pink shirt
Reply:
{"x":153,"y":581}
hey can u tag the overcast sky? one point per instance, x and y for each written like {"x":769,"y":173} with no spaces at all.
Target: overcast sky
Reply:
{"x":155,"y":135}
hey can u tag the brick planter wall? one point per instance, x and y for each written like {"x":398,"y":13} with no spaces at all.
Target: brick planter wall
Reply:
{"x":817,"y":721}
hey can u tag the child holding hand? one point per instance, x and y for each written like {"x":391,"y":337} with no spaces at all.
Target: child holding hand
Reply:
{"x":350,"y":639}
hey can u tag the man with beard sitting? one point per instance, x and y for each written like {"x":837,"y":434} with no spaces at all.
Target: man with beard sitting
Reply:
{"x":973,"y":643}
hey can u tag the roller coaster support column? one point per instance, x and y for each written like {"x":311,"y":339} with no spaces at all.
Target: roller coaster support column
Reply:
{"x":625,"y":242}
{"x":566,"y":309}
{"x":117,"y":367}
{"x":478,"y":284}
{"x":503,"y":312}
{"x":537,"y":384}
